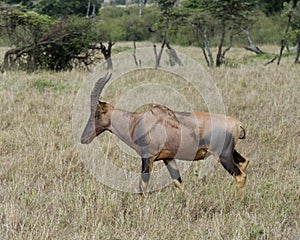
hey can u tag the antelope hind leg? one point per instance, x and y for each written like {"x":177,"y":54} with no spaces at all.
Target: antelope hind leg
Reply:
{"x":231,"y":166}
{"x":240,"y":179}
{"x":241,"y":161}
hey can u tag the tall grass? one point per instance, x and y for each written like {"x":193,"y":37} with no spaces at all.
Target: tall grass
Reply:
{"x":46,"y":192}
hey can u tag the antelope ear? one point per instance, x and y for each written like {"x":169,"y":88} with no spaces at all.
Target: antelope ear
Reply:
{"x":103,"y":107}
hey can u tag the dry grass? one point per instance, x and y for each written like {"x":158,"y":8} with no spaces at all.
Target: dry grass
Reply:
{"x":46,"y":193}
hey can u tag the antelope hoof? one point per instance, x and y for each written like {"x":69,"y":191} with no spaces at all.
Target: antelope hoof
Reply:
{"x":243,"y":165}
{"x":178,"y":185}
{"x":240,"y":180}
{"x":143,"y":188}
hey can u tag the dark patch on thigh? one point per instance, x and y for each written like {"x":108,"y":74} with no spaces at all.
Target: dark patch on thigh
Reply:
{"x":219,"y":141}
{"x":175,"y":174}
{"x":230,"y":166}
{"x":237,"y":157}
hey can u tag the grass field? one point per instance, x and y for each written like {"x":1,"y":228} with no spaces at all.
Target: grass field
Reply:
{"x":47,"y":193}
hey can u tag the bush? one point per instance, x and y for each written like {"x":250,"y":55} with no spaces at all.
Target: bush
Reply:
{"x":63,"y":8}
{"x":43,"y":43}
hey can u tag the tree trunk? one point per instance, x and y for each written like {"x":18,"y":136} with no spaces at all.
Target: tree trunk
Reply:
{"x":204,"y":44}
{"x":219,"y":54}
{"x":158,"y":56}
{"x":207,"y":48}
{"x":107,"y":53}
{"x":298,"y":51}
{"x":284,"y":41}
{"x":173,"y":55}
{"x":12,"y":56}
{"x":280,"y":51}
{"x":88,"y":9}
{"x":94,"y":13}
{"x":140,"y":8}
{"x":137,"y":63}
{"x":230,"y":45}
{"x":205,"y":55}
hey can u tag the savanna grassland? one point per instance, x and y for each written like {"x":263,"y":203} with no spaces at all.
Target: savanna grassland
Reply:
{"x":47,"y":193}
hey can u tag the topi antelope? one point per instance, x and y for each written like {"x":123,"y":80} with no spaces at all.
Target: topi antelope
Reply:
{"x":162,"y":134}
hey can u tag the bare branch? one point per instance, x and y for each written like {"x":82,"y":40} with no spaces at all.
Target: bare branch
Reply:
{"x":271,"y":61}
{"x":254,"y":48}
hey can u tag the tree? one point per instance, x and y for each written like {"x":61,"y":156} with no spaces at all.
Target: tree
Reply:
{"x":106,"y":51}
{"x":295,"y":25}
{"x":43,"y":43}
{"x":292,"y":13}
{"x":202,"y":28}
{"x":233,"y":15}
{"x":169,"y":21}
{"x":230,"y":16}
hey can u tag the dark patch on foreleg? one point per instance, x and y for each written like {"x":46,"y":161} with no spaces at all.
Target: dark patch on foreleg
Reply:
{"x":147,"y":165}
{"x":173,"y":169}
{"x":174,"y":172}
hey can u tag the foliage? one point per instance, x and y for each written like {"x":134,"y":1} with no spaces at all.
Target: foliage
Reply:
{"x":168,"y":22}
{"x":265,"y":29}
{"x":170,"y":17}
{"x":64,"y":8}
{"x":205,"y":23}
{"x":27,"y":3}
{"x":43,"y":43}
{"x":271,"y":7}
{"x":120,"y":24}
{"x":120,"y":2}
{"x":124,"y":24}
{"x":294,"y":11}
{"x":230,"y":17}
{"x":23,"y":27}
{"x":192,"y":4}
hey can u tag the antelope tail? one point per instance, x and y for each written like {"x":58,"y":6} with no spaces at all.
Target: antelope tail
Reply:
{"x":242,"y":133}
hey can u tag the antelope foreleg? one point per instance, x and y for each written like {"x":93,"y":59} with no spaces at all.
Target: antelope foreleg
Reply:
{"x":174,"y":172}
{"x":147,"y":166}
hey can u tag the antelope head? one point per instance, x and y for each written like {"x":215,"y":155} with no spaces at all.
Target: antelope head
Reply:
{"x":100,"y":118}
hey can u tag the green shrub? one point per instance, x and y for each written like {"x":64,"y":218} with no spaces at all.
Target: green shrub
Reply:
{"x":43,"y":43}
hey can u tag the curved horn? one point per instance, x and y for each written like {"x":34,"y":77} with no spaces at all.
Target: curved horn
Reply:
{"x":96,"y":92}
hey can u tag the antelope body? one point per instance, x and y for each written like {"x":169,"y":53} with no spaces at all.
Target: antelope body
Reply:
{"x":162,"y":134}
